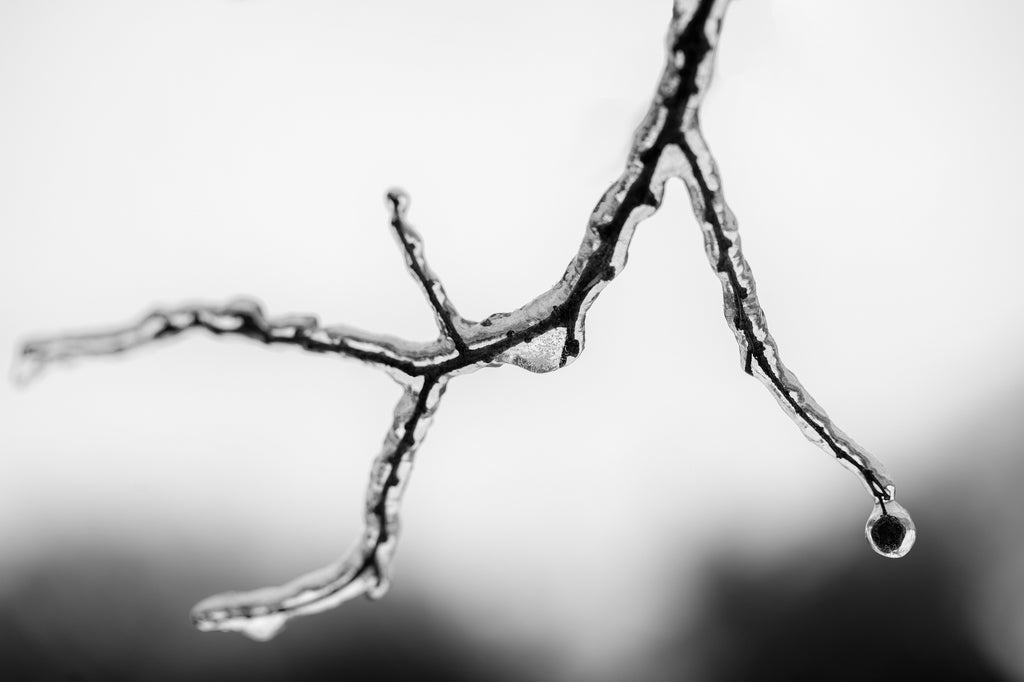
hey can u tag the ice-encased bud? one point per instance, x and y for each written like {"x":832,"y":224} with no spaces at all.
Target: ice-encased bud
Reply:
{"x":890,"y":530}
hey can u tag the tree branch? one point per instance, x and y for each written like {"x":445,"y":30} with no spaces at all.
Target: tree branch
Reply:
{"x":447,"y":317}
{"x":240,"y":317}
{"x":743,"y":311}
{"x":545,"y":334}
{"x":364,"y":569}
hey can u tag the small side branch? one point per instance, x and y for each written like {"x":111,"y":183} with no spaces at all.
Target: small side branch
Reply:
{"x":447,"y":317}
{"x":696,"y":32}
{"x":364,"y":569}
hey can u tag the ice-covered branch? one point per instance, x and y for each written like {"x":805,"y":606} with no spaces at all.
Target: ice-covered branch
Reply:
{"x":746,"y":318}
{"x":448,"y":319}
{"x":240,"y":317}
{"x":364,"y":569}
{"x":544,"y":335}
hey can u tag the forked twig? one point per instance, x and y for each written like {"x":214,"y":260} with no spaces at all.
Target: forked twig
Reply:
{"x":541,"y":336}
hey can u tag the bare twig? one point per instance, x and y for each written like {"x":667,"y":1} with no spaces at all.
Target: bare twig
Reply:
{"x":543,"y":335}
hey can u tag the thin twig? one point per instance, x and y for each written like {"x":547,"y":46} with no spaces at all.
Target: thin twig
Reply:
{"x":411,"y":243}
{"x":261,"y":613}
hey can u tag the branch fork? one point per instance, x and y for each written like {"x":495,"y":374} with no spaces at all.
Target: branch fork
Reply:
{"x":543,"y":335}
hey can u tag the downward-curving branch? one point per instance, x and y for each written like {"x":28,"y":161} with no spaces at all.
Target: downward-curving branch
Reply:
{"x":541,"y":336}
{"x":260,"y":614}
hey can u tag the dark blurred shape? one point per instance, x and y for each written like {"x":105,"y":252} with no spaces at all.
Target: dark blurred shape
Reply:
{"x":104,"y":615}
{"x":866,"y":619}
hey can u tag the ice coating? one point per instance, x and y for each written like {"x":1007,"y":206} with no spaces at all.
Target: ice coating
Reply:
{"x":542,"y":354}
{"x":261,"y":613}
{"x":542,"y":336}
{"x":890,"y":530}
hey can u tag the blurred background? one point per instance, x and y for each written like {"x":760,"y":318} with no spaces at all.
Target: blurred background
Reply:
{"x":558,"y":527}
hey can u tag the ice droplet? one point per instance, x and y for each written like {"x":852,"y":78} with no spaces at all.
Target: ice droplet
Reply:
{"x":539,"y":355}
{"x":890,"y":530}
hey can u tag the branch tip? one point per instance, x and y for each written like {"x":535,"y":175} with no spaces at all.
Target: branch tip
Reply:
{"x":411,"y":244}
{"x":26,"y":366}
{"x":541,"y":336}
{"x":398,"y":203}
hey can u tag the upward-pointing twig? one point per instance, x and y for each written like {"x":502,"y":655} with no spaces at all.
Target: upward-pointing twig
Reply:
{"x":543,"y":335}
{"x":448,"y":319}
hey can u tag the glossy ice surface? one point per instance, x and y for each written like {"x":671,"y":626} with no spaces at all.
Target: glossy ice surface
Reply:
{"x":890,"y":530}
